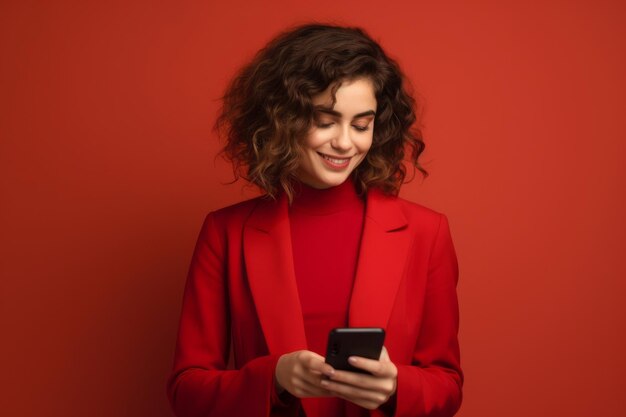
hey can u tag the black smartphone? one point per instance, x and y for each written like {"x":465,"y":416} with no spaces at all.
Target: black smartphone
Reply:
{"x":366,"y":342}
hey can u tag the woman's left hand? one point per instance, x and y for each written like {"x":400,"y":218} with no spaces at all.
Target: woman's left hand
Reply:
{"x":368,"y":391}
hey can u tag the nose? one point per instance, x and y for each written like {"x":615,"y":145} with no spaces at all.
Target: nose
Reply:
{"x":342,"y":141}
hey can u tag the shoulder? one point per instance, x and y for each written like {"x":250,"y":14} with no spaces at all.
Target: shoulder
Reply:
{"x":222,"y":224}
{"x":424,"y":219}
{"x":235,"y":215}
{"x":429,"y":227}
{"x":414,"y":214}
{"x":418,"y":212}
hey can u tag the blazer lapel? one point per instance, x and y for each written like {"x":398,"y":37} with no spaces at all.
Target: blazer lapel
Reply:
{"x":382,"y":257}
{"x":269,"y":264}
{"x":268,"y":259}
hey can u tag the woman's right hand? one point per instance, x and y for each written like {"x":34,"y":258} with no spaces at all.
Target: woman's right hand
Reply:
{"x":301,"y":372}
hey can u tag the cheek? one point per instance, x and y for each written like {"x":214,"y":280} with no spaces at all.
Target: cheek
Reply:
{"x":363,"y":150}
{"x":315,"y":139}
{"x":365,"y":145}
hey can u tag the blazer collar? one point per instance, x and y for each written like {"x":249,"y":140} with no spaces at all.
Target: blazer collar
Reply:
{"x":380,"y":208}
{"x":269,"y":265}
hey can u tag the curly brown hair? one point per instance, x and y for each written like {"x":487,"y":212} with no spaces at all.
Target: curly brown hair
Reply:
{"x":267,"y":108}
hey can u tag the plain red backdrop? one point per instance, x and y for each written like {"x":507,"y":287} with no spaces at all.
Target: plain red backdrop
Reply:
{"x":107,"y":170}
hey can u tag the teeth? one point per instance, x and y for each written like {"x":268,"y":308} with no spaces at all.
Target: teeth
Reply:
{"x":336,"y":161}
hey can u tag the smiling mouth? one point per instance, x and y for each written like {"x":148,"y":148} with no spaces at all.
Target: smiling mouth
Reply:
{"x":335,"y":160}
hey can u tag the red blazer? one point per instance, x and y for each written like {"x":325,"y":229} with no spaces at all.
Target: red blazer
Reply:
{"x":241,"y":299}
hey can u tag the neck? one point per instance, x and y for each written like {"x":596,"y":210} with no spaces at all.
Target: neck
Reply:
{"x":318,"y":201}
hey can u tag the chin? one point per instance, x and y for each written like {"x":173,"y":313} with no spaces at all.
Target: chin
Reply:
{"x":335,"y":182}
{"x":322,"y":183}
{"x":318,"y":176}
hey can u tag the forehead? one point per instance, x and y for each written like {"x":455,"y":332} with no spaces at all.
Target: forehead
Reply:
{"x":352,"y":93}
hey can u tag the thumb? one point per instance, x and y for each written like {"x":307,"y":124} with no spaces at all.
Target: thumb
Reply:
{"x":384,"y":355}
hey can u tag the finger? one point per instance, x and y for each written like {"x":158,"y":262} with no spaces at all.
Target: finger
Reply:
{"x":384,"y":355}
{"x":308,"y":389}
{"x":353,"y":393}
{"x":316,"y":364}
{"x":310,"y":354}
{"x":321,"y":369}
{"x":376,"y":368}
{"x":385,"y":385}
{"x":370,"y":405}
{"x":365,"y":381}
{"x":313,"y":377}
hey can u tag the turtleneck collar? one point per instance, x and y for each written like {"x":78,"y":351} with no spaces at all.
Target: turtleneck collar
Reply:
{"x":315,"y":201}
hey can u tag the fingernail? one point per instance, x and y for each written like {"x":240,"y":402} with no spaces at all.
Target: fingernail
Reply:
{"x":329,"y":372}
{"x":324,"y":383}
{"x":352,"y":359}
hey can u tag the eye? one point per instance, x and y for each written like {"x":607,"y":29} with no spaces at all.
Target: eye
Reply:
{"x":324,"y":125}
{"x":361,"y":128}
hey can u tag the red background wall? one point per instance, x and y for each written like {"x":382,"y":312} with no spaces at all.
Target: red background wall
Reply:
{"x":107,"y":169}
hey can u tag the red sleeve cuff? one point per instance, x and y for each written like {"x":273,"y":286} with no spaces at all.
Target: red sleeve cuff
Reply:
{"x":282,"y":400}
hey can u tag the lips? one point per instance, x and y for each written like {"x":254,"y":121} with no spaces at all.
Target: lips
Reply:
{"x":338,"y":161}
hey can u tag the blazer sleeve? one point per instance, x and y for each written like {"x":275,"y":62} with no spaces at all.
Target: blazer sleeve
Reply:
{"x":431,"y":384}
{"x":200,"y":384}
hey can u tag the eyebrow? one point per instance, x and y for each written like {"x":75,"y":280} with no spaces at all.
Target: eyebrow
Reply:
{"x":332,"y":112}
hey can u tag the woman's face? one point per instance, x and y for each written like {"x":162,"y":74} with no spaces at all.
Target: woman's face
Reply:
{"x":340,"y":136}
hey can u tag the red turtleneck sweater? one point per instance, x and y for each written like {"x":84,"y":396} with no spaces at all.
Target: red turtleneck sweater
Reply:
{"x":326,"y":227}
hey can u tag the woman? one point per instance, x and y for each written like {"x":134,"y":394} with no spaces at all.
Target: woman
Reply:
{"x":320,"y":121}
